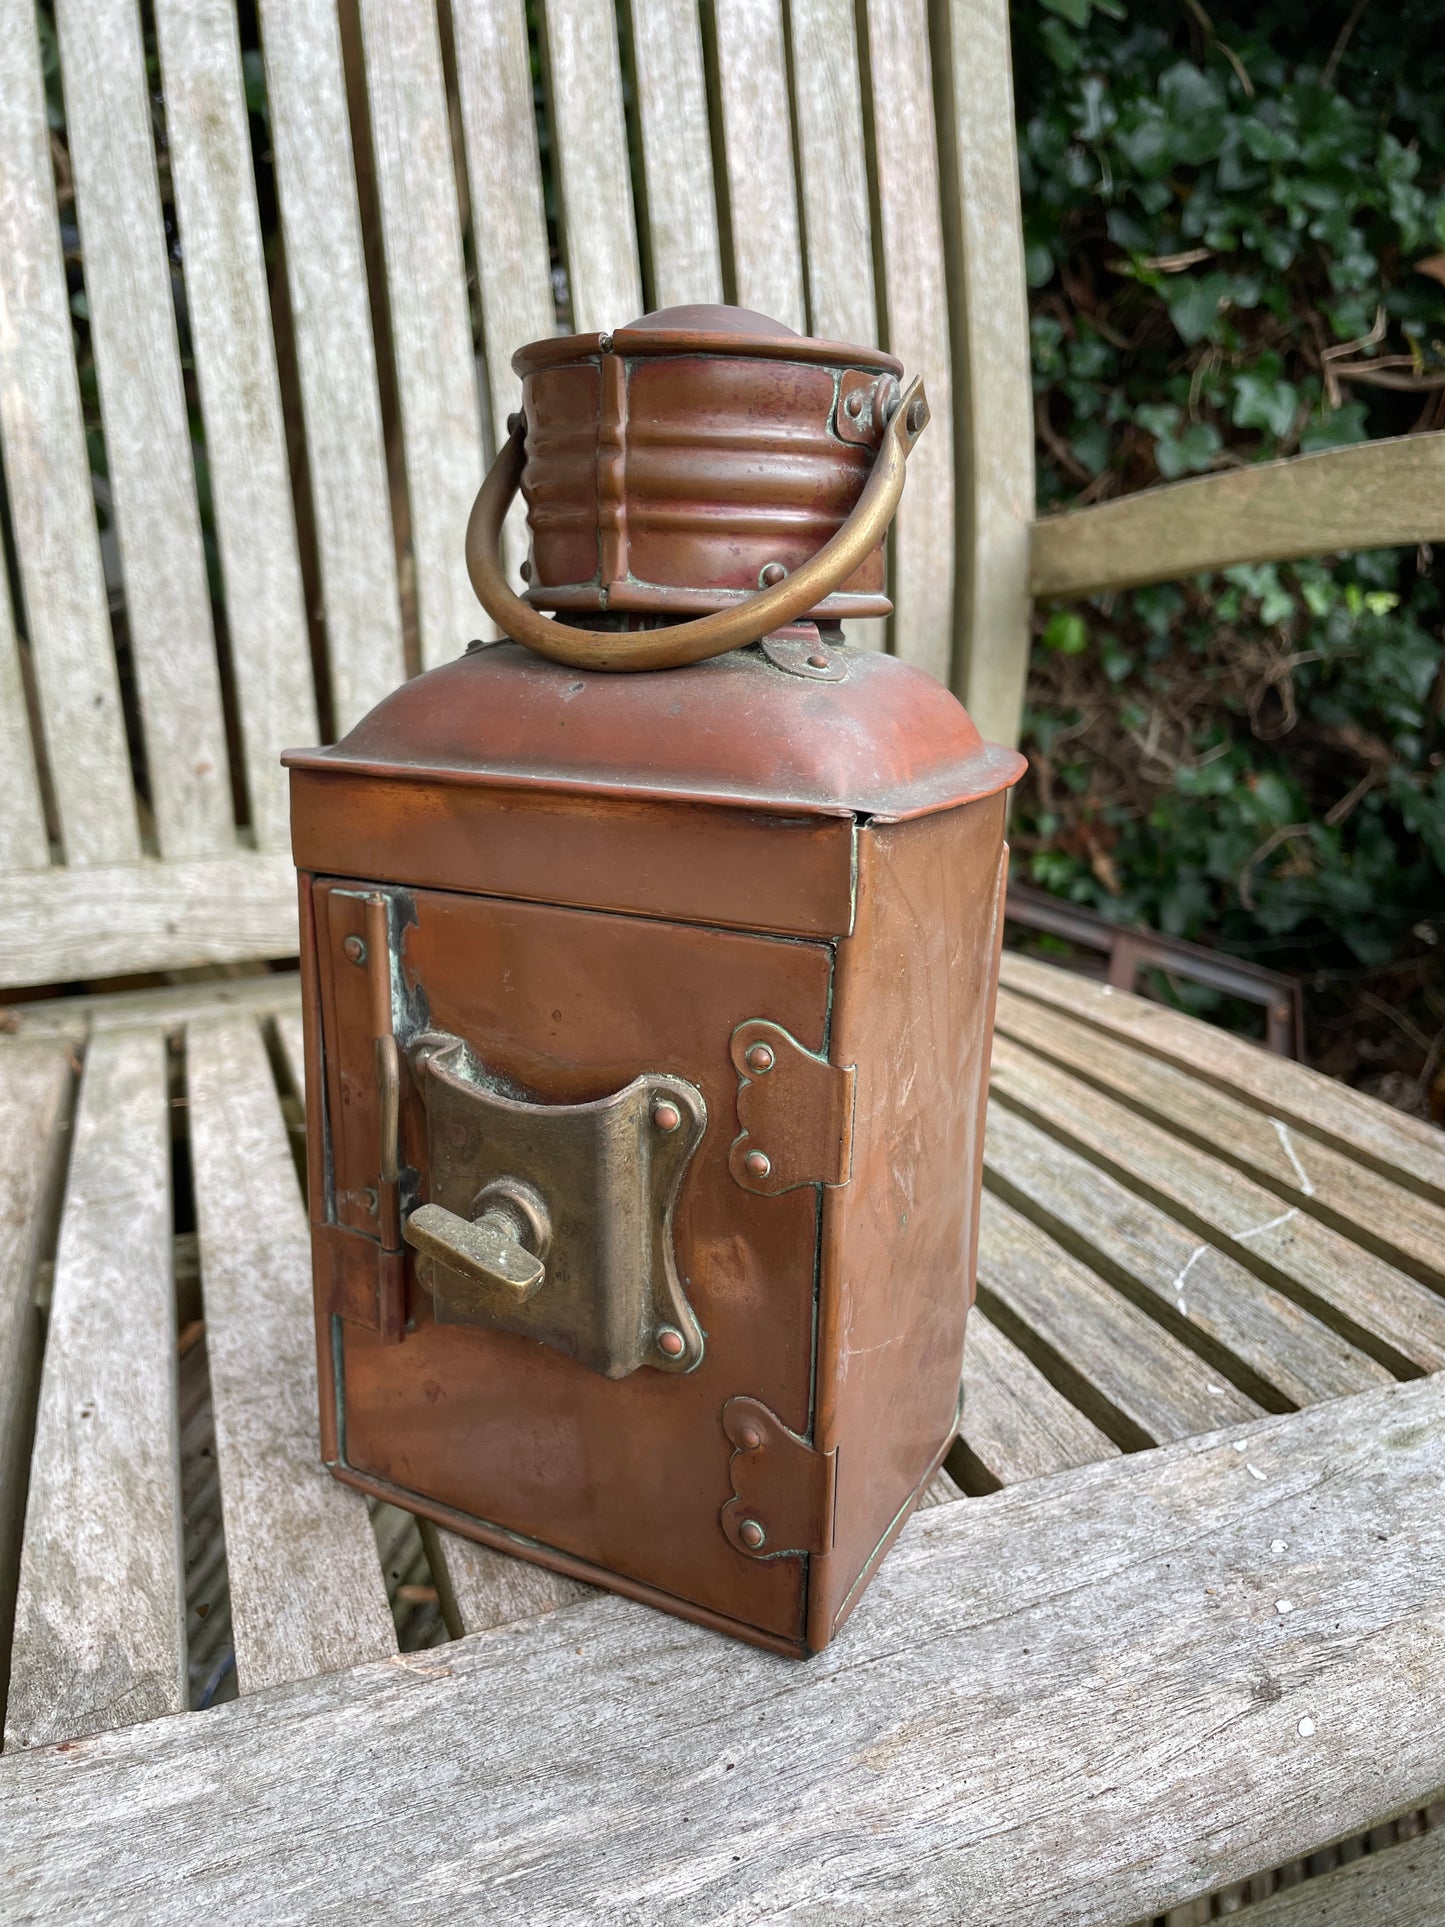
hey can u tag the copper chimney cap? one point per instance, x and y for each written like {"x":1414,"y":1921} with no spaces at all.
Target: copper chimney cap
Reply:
{"x":697,"y":460}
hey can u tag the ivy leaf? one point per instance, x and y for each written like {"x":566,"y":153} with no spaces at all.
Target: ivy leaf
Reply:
{"x":1339,"y":429}
{"x":1260,"y":402}
{"x":1060,"y":46}
{"x":1091,"y":447}
{"x":1147,"y":145}
{"x":1195,"y":303}
{"x":1187,"y":91}
{"x":1076,"y":12}
{"x":1116,"y":659}
{"x":1038,"y":264}
{"x":1067,"y":632}
{"x":1267,"y":143}
{"x":1177,"y":452}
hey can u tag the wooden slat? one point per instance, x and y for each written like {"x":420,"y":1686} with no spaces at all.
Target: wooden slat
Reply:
{"x":335,"y":353}
{"x":430,"y":325}
{"x":147,"y":436}
{"x":1073,"y":1700}
{"x":149,"y":916}
{"x":508,"y":219}
{"x":504,"y":179}
{"x":833,"y":171}
{"x":230,"y":316}
{"x":24,"y":844}
{"x":833,"y":181}
{"x":988,"y":312}
{"x":307,"y":1594}
{"x":1015,"y":1424}
{"x":1183,"y":1282}
{"x":916,"y":305}
{"x":168,"y":1008}
{"x":682,"y":234}
{"x":1379,"y":495}
{"x":764,"y":240}
{"x":481,"y":1588}
{"x":1401,"y":1887}
{"x":593,"y":179}
{"x":34,"y":1083}
{"x":47,"y":475}
{"x":1375,"y":1306}
{"x":1398,"y":1225}
{"x":1404,"y":1148}
{"x":1124,"y":1371}
{"x":100,"y":1614}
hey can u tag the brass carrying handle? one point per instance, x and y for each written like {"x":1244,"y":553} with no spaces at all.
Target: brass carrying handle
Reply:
{"x":757,"y":615}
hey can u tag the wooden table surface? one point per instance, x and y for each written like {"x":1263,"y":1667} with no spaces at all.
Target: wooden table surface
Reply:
{"x":1107,"y":1680}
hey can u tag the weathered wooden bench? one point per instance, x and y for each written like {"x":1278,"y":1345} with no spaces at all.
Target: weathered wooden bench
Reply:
{"x":1187,"y":1624}
{"x":1124,"y":1677}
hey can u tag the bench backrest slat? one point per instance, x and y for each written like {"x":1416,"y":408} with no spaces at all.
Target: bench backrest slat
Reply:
{"x":148,"y":442}
{"x":757,"y":146}
{"x":426,"y":294}
{"x":833,"y":171}
{"x":335,"y":355}
{"x":983,"y":226}
{"x":667,"y":61}
{"x":23,"y":842}
{"x":48,"y":482}
{"x":594,"y":193}
{"x":230,"y":316}
{"x":451,"y":183}
{"x":916,"y":307}
{"x":508,"y":215}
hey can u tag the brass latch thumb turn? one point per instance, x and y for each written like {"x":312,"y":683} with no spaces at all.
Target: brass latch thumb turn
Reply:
{"x":487,"y":1252}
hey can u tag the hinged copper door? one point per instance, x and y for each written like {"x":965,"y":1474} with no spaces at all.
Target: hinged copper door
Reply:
{"x":563,"y":1007}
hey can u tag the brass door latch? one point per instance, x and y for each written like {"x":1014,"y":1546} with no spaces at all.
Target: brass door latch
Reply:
{"x":555,"y":1220}
{"x":499,"y":1253}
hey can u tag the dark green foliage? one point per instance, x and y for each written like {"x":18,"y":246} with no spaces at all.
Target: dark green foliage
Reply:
{"x":1235,"y":233}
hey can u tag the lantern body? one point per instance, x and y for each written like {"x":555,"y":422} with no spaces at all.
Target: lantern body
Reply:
{"x":647,"y":1024}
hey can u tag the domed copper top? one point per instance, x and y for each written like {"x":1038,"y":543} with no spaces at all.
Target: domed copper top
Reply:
{"x":886,"y":742}
{"x":702,"y":330}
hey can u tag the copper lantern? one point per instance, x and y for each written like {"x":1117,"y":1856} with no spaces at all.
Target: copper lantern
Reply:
{"x":648,"y":1014}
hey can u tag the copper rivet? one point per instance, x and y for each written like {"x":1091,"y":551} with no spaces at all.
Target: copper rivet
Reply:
{"x":817,"y":662}
{"x":355,"y":949}
{"x":760,"y":1057}
{"x":917,"y":416}
{"x":771,"y":573}
{"x":752,"y":1535}
{"x":757,"y":1164}
{"x":526,"y":571}
{"x":750,"y":1438}
{"x":604,"y":342}
{"x":853,"y":404}
{"x":666,"y":1117}
{"x":670,"y":1341}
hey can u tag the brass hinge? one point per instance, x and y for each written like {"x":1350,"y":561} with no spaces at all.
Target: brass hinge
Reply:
{"x":795,"y":1112}
{"x":783,"y":1488}
{"x":359,"y":1280}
